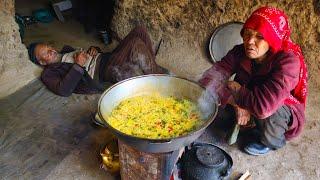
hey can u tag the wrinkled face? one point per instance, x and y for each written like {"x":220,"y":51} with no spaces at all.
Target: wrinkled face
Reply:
{"x":256,"y":47}
{"x":46,"y":54}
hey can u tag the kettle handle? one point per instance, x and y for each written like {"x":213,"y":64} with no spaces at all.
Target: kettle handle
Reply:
{"x":226,"y":174}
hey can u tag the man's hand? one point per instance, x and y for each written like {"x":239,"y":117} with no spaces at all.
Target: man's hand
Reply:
{"x":80,"y":58}
{"x":93,"y":51}
{"x":243,"y":116}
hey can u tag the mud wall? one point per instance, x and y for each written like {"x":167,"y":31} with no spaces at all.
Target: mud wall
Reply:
{"x":186,"y":25}
{"x":15,"y":68}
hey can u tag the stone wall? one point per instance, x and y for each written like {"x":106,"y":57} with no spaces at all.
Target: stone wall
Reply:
{"x":186,"y":25}
{"x":15,"y":67}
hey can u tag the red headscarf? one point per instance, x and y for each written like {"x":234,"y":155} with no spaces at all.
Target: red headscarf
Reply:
{"x":273,"y":24}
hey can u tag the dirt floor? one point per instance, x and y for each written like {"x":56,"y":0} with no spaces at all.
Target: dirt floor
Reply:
{"x":55,"y":140}
{"x":44,"y":136}
{"x":80,"y":160}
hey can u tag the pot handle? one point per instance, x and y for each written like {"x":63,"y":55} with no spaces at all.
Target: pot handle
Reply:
{"x":97,"y":120}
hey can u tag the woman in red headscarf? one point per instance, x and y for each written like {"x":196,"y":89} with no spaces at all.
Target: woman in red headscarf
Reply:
{"x":270,"y":83}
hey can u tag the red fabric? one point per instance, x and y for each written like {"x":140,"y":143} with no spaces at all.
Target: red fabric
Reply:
{"x":273,"y":24}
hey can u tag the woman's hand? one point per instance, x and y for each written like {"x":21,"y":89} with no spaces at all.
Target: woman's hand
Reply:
{"x":242,"y":115}
{"x":93,"y":51}
{"x":234,"y":86}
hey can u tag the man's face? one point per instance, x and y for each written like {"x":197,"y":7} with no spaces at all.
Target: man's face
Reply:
{"x":46,"y":54}
{"x":255,"y":46}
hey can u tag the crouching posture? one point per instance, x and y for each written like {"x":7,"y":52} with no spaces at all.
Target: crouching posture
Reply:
{"x":270,"y":85}
{"x":77,"y":71}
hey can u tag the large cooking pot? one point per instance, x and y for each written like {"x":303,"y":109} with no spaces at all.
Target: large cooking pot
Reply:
{"x":167,"y":86}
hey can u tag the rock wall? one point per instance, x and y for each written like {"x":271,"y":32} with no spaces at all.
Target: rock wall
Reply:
{"x":15,"y":67}
{"x":186,"y":25}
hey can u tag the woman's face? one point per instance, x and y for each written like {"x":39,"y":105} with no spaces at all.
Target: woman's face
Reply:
{"x":255,"y":46}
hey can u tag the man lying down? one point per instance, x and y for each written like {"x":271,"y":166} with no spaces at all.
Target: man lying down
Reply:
{"x":83,"y":72}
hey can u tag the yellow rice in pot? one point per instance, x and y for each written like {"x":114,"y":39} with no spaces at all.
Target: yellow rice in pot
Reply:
{"x":155,"y":117}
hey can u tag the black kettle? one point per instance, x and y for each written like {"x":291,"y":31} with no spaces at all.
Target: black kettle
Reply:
{"x":205,"y":161}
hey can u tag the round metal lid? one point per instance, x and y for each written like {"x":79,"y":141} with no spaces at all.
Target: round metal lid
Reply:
{"x":210,"y":156}
{"x":223,"y":39}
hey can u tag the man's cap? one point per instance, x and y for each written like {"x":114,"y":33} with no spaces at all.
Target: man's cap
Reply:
{"x":32,"y":55}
